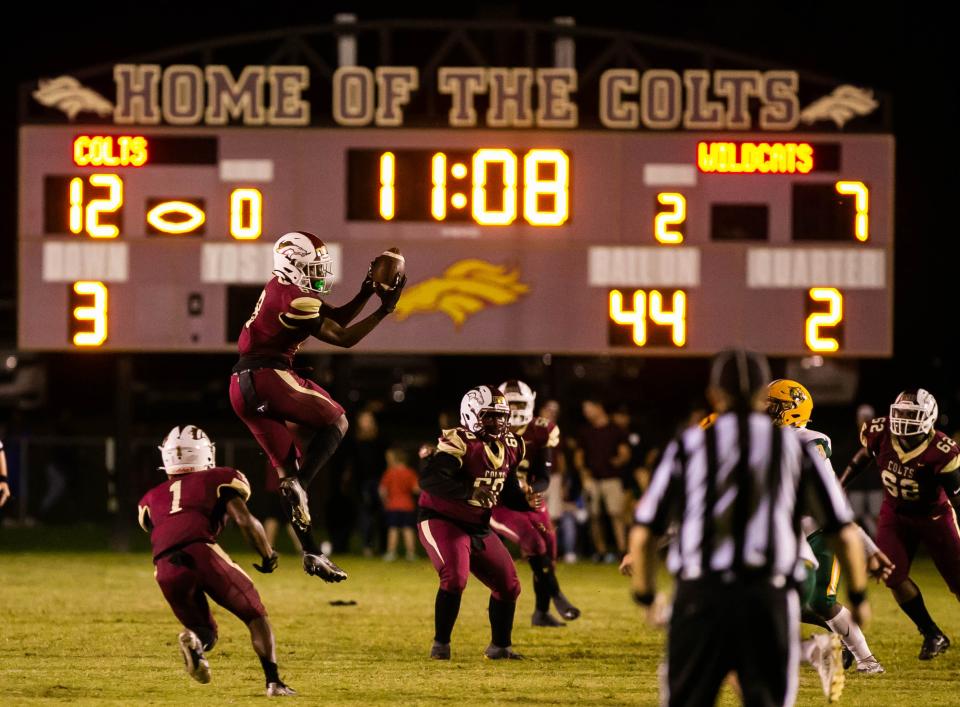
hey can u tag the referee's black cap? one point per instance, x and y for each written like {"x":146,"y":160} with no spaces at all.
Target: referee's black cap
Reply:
{"x":740,"y":374}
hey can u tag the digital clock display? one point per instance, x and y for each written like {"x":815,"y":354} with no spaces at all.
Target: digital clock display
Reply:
{"x":489,"y":186}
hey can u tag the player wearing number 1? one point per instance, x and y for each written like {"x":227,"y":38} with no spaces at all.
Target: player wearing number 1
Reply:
{"x":472,"y":470}
{"x":184,"y":516}
{"x":920,"y":470}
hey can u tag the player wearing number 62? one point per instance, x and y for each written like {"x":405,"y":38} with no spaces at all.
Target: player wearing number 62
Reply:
{"x":920,"y":470}
{"x":472,"y":470}
{"x":184,"y":515}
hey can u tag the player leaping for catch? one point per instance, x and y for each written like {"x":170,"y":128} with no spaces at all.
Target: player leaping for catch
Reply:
{"x":295,"y":421}
{"x":920,"y":470}
{"x":184,"y":516}
{"x":472,"y":470}
{"x":532,"y":529}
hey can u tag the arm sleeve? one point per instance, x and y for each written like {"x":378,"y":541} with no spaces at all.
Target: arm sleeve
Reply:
{"x":235,"y":484}
{"x":819,"y":494}
{"x":950,"y":481}
{"x":440,"y":476}
{"x":302,"y":313}
{"x":654,"y":506}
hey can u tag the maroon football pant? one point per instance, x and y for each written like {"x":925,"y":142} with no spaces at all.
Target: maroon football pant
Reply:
{"x":898,"y":535}
{"x":198,"y":571}
{"x":291,"y":402}
{"x":532,"y":531}
{"x":455,"y":554}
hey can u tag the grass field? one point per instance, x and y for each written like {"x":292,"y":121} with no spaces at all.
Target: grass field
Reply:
{"x":92,"y":628}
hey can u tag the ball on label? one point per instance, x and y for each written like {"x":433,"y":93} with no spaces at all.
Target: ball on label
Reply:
{"x":387,"y":268}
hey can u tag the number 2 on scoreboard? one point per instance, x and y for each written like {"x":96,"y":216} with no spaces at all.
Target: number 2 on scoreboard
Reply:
{"x":819,"y":320}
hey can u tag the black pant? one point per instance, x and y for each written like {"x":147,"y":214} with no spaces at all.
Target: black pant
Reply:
{"x":750,"y":628}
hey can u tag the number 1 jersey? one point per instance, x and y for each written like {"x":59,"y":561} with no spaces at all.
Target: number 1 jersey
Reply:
{"x":190,"y":507}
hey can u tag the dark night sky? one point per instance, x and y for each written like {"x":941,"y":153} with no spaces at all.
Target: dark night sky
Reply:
{"x":908,"y":51}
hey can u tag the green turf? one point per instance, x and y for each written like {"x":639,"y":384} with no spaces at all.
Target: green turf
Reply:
{"x":93,"y":628}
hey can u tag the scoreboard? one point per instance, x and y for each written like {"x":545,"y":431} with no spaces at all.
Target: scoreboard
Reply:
{"x":529,"y":241}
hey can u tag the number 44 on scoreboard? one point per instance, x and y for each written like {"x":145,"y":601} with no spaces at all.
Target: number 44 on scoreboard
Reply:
{"x":652,"y":323}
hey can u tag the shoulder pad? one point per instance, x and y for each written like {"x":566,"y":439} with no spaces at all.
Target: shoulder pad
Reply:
{"x":452,"y":442}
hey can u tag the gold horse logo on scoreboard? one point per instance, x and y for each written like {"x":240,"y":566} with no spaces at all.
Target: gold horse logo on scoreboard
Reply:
{"x":465,"y":288}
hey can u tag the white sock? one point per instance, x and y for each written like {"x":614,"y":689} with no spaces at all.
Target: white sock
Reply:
{"x":850,"y":634}
{"x":807,"y":650}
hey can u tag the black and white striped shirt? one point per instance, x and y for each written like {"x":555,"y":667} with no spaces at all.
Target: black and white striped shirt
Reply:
{"x":737,"y":491}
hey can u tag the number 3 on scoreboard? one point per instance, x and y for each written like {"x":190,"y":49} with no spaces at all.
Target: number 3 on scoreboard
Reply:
{"x":88,"y":321}
{"x":816,"y":321}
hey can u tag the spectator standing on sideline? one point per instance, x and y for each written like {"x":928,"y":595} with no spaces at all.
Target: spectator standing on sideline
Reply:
{"x":398,"y":489}
{"x":4,"y":478}
{"x":736,"y":491}
{"x":601,"y":458}
{"x":365,"y":464}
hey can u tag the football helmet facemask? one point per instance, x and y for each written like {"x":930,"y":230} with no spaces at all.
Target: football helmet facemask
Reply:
{"x":187,"y":449}
{"x":302,"y":259}
{"x":521,"y":398}
{"x":789,"y":403}
{"x":914,"y":412}
{"x":484,"y":411}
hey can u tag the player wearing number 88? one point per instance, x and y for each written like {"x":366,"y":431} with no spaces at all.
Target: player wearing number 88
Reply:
{"x":920,"y":470}
{"x":472,"y":470}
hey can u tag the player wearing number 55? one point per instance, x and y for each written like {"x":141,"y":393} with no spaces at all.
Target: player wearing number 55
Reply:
{"x":472,"y":470}
{"x":184,"y":516}
{"x":296,"y":422}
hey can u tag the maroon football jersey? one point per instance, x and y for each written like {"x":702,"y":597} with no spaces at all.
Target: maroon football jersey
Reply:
{"x":910,"y":476}
{"x":488,"y":463}
{"x":284,"y":317}
{"x":539,"y":435}
{"x":189,"y":507}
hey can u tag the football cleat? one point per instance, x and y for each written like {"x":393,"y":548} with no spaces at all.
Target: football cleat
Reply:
{"x":440,"y":651}
{"x":830,"y":665}
{"x":870,"y":666}
{"x":567,"y":610}
{"x":933,"y":646}
{"x":493,"y":652}
{"x":296,"y":499}
{"x":545,"y":619}
{"x":193,"y":658}
{"x":847,"y":658}
{"x":278,"y":689}
{"x":323,"y":567}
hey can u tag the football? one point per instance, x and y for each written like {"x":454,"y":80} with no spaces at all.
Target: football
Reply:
{"x":387,"y":268}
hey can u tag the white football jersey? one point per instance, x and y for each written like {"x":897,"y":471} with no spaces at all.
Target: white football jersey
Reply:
{"x":822,"y":442}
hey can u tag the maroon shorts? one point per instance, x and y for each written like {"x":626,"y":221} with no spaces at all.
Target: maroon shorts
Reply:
{"x":898,"y":535}
{"x":291,"y":402}
{"x":197,"y":571}
{"x":532,"y":531}
{"x":455,"y":554}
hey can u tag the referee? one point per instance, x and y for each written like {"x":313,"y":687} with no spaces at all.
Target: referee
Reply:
{"x":736,"y":492}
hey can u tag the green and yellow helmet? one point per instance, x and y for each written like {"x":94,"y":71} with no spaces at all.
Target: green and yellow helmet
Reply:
{"x":789,"y":403}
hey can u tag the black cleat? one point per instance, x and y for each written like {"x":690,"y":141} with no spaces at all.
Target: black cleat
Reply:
{"x":546,"y":619}
{"x":847,"y":658}
{"x":296,"y":498}
{"x":933,"y":646}
{"x":440,"y":651}
{"x":567,"y":610}
{"x":493,"y":652}
{"x":323,"y":567}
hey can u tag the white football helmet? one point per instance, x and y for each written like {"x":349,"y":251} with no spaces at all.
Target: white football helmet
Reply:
{"x":914,"y":412}
{"x":185,"y":450}
{"x":484,"y":411}
{"x":521,"y":400}
{"x":302,"y":259}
